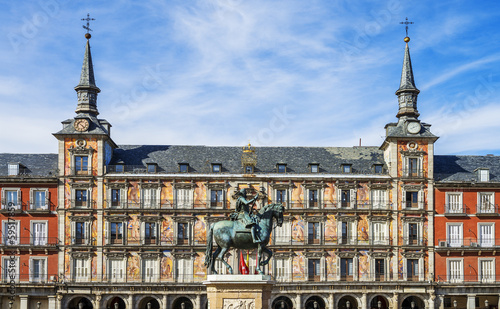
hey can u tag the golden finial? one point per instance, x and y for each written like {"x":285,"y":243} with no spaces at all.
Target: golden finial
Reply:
{"x":407,"y":39}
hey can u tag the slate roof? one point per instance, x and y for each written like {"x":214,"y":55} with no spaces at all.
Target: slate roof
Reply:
{"x":397,"y":129}
{"x":96,"y":126}
{"x":462,"y":168}
{"x":297,"y":159}
{"x":36,"y":164}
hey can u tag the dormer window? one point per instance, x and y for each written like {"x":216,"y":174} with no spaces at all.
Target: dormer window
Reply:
{"x":152,"y":167}
{"x":13,"y":169}
{"x":119,"y":168}
{"x":248,"y":169}
{"x":183,"y":167}
{"x":81,"y":164}
{"x":281,"y":168}
{"x":378,"y":168}
{"x":346,"y":168}
{"x":216,"y":167}
{"x":483,"y":174}
{"x":314,"y":167}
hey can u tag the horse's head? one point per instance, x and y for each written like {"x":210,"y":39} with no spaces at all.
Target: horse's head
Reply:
{"x":278,"y":210}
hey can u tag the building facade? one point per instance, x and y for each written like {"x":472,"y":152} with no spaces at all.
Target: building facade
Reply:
{"x":363,"y":226}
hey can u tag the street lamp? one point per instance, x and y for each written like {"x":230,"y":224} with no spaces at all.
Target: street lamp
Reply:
{"x":149,"y":305}
{"x":379,"y":304}
{"x":80,"y":305}
{"x":455,"y":303}
{"x":348,"y":304}
{"x":486,"y":304}
{"x":412,"y":304}
{"x":38,"y":304}
{"x":10,"y":304}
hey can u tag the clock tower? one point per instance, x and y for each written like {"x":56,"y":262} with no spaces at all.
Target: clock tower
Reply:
{"x":85,"y":149}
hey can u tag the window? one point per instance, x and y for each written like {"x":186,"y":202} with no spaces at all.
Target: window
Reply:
{"x":412,"y":270}
{"x":116,"y":271}
{"x":455,"y":270}
{"x":13,"y":169}
{"x":248,"y":169}
{"x":81,"y":198}
{"x":455,"y":233}
{"x":11,"y":199}
{"x":150,"y":233}
{"x":486,"y":234}
{"x":81,"y":164}
{"x":413,"y":167}
{"x":486,"y":202}
{"x":281,"y":196}
{"x":216,"y":168}
{"x":454,"y":203}
{"x":39,"y":233}
{"x":10,"y":232}
{"x":379,"y":199}
{"x":313,"y":269}
{"x":413,"y":234}
{"x":314,"y":233}
{"x":119,"y":168}
{"x":346,"y":168}
{"x":314,"y":168}
{"x":183,"y":167}
{"x":281,"y":168}
{"x":484,"y":175}
{"x":411,"y":199}
{"x":378,"y":168}
{"x":38,"y":269}
{"x":183,"y":233}
{"x":345,"y":196}
{"x":348,"y":233}
{"x":313,"y":198}
{"x":282,"y":269}
{"x":184,"y":198}
{"x":486,"y":270}
{"x":10,"y":268}
{"x":346,"y":269}
{"x":115,"y":233}
{"x":184,"y":270}
{"x":81,"y":270}
{"x":149,"y":198}
{"x":379,"y":233}
{"x":39,"y":199}
{"x":379,"y":269}
{"x":80,"y":233}
{"x":216,"y":198}
{"x":152,"y":167}
{"x":149,"y":270}
{"x":282,"y":234}
{"x":115,"y":197}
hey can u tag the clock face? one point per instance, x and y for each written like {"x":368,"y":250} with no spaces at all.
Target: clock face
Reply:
{"x":413,"y":127}
{"x":81,"y":125}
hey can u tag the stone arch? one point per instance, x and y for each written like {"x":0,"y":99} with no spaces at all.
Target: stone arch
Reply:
{"x":348,"y":302}
{"x":73,"y":302}
{"x":282,"y":302}
{"x":418,"y":302}
{"x":383,"y":299}
{"x":315,"y":302}
{"x":115,"y":302}
{"x":154,"y":302}
{"x":179,"y":301}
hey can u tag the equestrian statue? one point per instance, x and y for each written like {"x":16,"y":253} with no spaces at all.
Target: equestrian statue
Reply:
{"x":244,"y":230}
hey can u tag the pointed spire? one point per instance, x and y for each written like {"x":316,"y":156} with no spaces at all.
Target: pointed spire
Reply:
{"x":87,"y":90}
{"x":407,"y":92}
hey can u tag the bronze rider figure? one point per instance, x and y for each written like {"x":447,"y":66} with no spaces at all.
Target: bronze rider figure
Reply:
{"x":243,"y":209}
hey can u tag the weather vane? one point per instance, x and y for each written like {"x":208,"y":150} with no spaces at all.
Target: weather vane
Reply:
{"x":88,"y":19}
{"x":406,"y":23}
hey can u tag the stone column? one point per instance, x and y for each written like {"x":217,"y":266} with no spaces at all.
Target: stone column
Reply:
{"x":197,"y":305}
{"x":441,"y":302}
{"x":164,"y":302}
{"x":471,"y":301}
{"x":298,"y":300}
{"x":52,"y":302}
{"x":363,"y":301}
{"x":131,"y":301}
{"x":395,"y":301}
{"x":331,"y":302}
{"x":23,"y":303}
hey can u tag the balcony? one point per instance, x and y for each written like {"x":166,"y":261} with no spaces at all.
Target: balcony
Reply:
{"x":487,"y":209}
{"x":469,"y":243}
{"x":414,"y":173}
{"x":472,"y":279}
{"x":31,"y":278}
{"x":414,"y":241}
{"x":455,"y":210}
{"x":30,"y":241}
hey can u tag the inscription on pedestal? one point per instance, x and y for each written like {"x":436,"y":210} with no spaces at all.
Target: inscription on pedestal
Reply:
{"x":247,"y":303}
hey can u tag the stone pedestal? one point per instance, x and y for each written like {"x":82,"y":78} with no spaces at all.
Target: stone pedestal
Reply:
{"x":239,"y":291}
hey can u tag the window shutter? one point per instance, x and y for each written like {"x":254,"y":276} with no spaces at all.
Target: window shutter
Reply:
{"x":107,"y":232}
{"x":19,"y":200}
{"x":73,"y":232}
{"x":31,"y":270}
{"x":353,"y":198}
{"x":421,"y":199}
{"x":89,"y":198}
{"x":87,"y":233}
{"x":143,"y":232}
{"x":322,"y":269}
{"x":154,"y":197}
{"x":123,"y":197}
{"x":339,"y":198}
{"x":421,"y":274}
{"x":123,"y":230}
{"x":32,"y":200}
{"x":47,"y":199}
{"x":109,"y":197}
{"x":353,"y":238}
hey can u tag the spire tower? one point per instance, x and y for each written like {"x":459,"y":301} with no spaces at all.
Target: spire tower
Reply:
{"x":407,"y":92}
{"x":87,"y":90}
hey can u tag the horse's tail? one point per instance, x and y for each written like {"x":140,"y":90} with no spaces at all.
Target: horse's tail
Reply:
{"x":210,"y":245}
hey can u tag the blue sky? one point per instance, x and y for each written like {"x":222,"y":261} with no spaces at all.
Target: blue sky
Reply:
{"x":277,"y":73}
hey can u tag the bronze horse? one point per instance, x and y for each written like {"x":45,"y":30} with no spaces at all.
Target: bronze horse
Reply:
{"x":233,"y":234}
